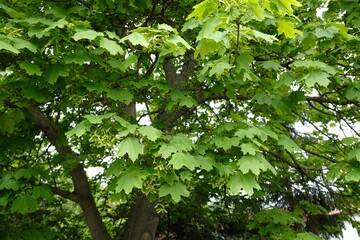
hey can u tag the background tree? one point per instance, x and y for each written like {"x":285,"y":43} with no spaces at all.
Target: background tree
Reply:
{"x":251,"y":109}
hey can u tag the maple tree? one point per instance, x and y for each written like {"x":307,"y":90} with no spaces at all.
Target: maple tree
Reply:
{"x":251,"y":112}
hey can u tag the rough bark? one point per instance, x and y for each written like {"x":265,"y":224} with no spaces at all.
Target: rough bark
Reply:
{"x":82,"y":192}
{"x":143,"y":220}
{"x":87,"y":203}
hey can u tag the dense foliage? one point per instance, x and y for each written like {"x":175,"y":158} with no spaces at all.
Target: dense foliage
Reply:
{"x":214,"y":119}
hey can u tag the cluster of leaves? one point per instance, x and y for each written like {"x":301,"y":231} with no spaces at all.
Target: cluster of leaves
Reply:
{"x":224,"y":84}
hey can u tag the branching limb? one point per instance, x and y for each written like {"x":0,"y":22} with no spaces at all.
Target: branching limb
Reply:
{"x":66,"y":194}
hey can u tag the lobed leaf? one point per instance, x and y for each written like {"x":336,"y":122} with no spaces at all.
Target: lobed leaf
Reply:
{"x":181,"y":159}
{"x":245,"y":182}
{"x":87,"y":34}
{"x":175,"y":190}
{"x":130,"y":146}
{"x":24,"y":204}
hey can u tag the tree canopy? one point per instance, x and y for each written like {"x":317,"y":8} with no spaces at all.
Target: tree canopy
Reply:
{"x":214,"y":119}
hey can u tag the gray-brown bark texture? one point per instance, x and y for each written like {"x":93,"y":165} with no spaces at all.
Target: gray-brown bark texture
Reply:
{"x":143,"y":220}
{"x":82,"y":192}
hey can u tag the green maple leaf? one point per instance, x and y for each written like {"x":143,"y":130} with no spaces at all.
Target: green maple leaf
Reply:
{"x":315,"y":65}
{"x":187,"y":101}
{"x":181,"y":142}
{"x":257,"y":10}
{"x":58,"y":24}
{"x":226,"y":127}
{"x":336,"y":170}
{"x":128,"y":182}
{"x":250,"y":133}
{"x":262,"y":98}
{"x":115,"y":63}
{"x":354,"y":154}
{"x":204,"y":9}
{"x":219,"y":68}
{"x":205,"y":47}
{"x":3,"y":201}
{"x":225,"y":142}
{"x":176,"y":39}
{"x":307,"y":236}
{"x":112,"y":35}
{"x":131,"y":59}
{"x":97,"y":119}
{"x":171,"y":178}
{"x":353,"y":175}
{"x":137,"y":38}
{"x":295,"y":98}
{"x":80,"y":129}
{"x":9,"y":121}
{"x":250,"y":163}
{"x":130,"y":146}
{"x":317,"y":76}
{"x":280,"y":216}
{"x":111,"y":46}
{"x":55,"y":71}
{"x":120,"y":95}
{"x":186,"y":175}
{"x":183,"y":99}
{"x":30,"y":68}
{"x":190,"y":24}
{"x":208,"y":28}
{"x":181,"y":159}
{"x":349,"y":141}
{"x":246,"y":182}
{"x":9,"y":182}
{"x":11,"y":12}
{"x":9,"y":47}
{"x":326,"y":32}
{"x":122,"y":121}
{"x":175,"y":190}
{"x":150,"y":132}
{"x":249,"y":148}
{"x":352,"y":93}
{"x":266,"y":164}
{"x":42,"y":192}
{"x":206,"y":162}
{"x":87,"y":34}
{"x":225,"y":170}
{"x":287,"y":27}
{"x":166,"y":27}
{"x":97,"y":87}
{"x":6,"y":125}
{"x":243,"y":61}
{"x":288,"y":143}
{"x":275,"y":65}
{"x":21,"y":43}
{"x":264,"y":36}
{"x":166,"y":150}
{"x":133,"y":178}
{"x":286,"y":5}
{"x":26,"y":173}
{"x":24,"y":204}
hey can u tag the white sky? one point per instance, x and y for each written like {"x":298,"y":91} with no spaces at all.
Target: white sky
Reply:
{"x":349,"y":233}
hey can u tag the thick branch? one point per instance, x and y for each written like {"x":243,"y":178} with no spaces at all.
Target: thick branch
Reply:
{"x":177,"y":79}
{"x":332,"y":101}
{"x":82,"y":191}
{"x":65,"y":194}
{"x":50,"y":129}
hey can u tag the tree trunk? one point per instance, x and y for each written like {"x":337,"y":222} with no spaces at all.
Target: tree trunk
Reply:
{"x":82,"y":192}
{"x":143,"y":220}
{"x":87,"y":203}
